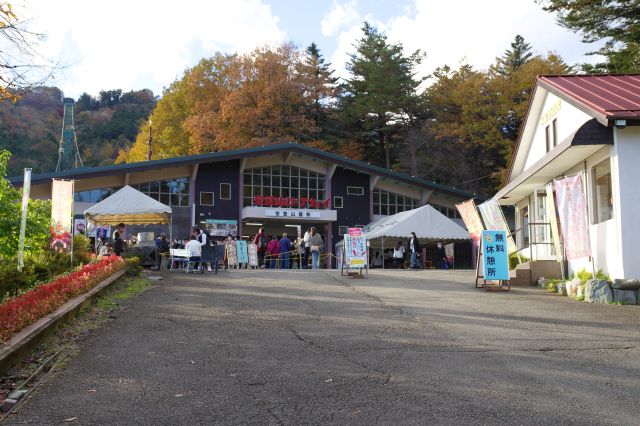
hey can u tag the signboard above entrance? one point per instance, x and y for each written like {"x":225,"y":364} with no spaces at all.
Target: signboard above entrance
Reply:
{"x":271,"y":201}
{"x":291,"y":213}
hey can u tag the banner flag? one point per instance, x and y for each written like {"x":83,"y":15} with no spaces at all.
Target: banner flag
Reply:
{"x":573,"y":216}
{"x":494,"y":221}
{"x":551,"y":215}
{"x":61,"y":228}
{"x":26,"y":189}
{"x":471,"y":219}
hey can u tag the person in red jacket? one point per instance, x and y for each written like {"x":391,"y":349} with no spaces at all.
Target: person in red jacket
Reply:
{"x":260,"y":240}
{"x":273,"y":250}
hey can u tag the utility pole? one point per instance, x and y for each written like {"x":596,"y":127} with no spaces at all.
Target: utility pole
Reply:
{"x":149,"y":152}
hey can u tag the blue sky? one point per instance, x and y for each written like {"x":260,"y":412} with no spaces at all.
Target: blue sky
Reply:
{"x":136,"y":44}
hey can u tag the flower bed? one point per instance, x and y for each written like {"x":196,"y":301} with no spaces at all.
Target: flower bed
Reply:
{"x":19,"y":312}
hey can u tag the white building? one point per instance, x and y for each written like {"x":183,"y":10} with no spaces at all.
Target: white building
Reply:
{"x":588,"y":125}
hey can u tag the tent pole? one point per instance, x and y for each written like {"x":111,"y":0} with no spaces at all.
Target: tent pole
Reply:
{"x":170,"y":228}
{"x":382,"y":252}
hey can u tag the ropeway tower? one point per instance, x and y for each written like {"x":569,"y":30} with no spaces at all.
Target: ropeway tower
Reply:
{"x":68,"y":152}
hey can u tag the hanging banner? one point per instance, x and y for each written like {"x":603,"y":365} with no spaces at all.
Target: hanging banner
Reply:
{"x":241,"y":248}
{"x":494,"y":220}
{"x":26,"y":189}
{"x":495,"y":259}
{"x":551,"y":214}
{"x":355,"y":251}
{"x":61,"y":215}
{"x":471,"y":220}
{"x":230,"y":252}
{"x":572,"y":209}
{"x":253,"y":255}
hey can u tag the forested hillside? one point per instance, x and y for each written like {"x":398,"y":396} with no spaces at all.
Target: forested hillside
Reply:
{"x":457,"y":127}
{"x":30,"y":128}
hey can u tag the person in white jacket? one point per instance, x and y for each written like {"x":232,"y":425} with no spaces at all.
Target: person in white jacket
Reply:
{"x":201,"y":237}
{"x":307,"y":249}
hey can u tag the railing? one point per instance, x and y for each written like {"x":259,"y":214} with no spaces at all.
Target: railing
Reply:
{"x":539,"y":235}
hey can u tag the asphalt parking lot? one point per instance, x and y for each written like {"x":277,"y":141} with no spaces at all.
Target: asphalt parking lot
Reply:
{"x":264,"y":347}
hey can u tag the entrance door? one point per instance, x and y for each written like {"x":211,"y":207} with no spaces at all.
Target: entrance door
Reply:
{"x":541,"y":238}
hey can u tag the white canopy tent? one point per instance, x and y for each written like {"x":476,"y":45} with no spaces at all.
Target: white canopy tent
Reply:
{"x":131,"y":207}
{"x":429,"y":225}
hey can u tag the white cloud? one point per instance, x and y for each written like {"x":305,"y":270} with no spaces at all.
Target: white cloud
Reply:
{"x":468,"y":31}
{"x":340,"y":16}
{"x":135,"y":44}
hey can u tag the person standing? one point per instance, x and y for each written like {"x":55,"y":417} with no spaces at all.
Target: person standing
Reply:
{"x":398,"y":255}
{"x":118,"y":241}
{"x":377,"y":261}
{"x":285,"y":251}
{"x":315,"y":246}
{"x":414,"y":251}
{"x":260,"y":240}
{"x":307,"y":249}
{"x":273,"y":250}
{"x":442,"y":256}
{"x":203,"y":239}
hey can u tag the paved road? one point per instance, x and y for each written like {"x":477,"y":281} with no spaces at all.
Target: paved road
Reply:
{"x":399,"y":348}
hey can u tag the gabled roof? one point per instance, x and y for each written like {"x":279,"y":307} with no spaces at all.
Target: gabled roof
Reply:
{"x":361,"y":166}
{"x":606,"y":97}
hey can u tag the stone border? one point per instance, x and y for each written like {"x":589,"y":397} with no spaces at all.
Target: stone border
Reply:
{"x":24,"y":340}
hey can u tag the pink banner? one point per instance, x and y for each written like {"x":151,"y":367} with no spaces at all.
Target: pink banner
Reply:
{"x":572,"y":209}
{"x":61,"y":215}
{"x":471,"y":220}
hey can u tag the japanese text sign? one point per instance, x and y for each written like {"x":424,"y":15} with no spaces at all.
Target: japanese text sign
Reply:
{"x":494,"y":255}
{"x":355,"y":251}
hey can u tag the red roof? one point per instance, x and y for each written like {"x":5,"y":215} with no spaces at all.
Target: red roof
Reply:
{"x":611,"y":96}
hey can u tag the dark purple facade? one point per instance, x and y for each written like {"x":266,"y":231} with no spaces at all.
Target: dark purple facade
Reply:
{"x":208,"y":179}
{"x":355,"y":208}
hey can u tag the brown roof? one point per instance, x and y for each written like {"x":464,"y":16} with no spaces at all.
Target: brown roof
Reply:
{"x":609,"y":96}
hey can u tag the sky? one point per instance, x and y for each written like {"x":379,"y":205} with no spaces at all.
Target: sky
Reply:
{"x":138,"y":44}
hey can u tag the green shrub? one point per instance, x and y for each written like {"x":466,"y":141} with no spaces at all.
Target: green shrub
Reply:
{"x":514,"y":261}
{"x":81,"y":250}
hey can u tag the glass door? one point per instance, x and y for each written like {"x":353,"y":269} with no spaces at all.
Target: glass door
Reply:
{"x":541,"y":228}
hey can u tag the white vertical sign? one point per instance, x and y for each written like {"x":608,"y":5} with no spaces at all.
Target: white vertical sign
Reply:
{"x":26,"y":189}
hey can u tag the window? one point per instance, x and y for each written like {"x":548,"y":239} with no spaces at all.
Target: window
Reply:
{"x":282,"y":181}
{"x":94,"y":195}
{"x":173,"y":192}
{"x":603,"y":193}
{"x":450,"y":212}
{"x":359,"y":226}
{"x":337,"y":202}
{"x":343,"y":230}
{"x":225,"y":191}
{"x":554,"y":131}
{"x":355,"y":190}
{"x":206,"y":198}
{"x":388,"y":203}
{"x":547,"y":137}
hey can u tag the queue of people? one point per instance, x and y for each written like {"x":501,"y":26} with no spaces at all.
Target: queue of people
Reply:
{"x":280,"y":252}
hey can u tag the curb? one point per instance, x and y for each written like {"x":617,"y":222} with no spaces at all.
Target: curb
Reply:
{"x":15,"y":348}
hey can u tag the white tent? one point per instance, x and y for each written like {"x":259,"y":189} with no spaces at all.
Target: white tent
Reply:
{"x":131,"y":207}
{"x":425,"y":221}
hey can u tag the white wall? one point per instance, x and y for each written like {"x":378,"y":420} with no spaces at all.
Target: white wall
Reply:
{"x":569,"y":120}
{"x":627,"y":180}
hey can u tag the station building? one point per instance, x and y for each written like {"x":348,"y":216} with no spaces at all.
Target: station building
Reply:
{"x":284,"y":188}
{"x":586,"y":125}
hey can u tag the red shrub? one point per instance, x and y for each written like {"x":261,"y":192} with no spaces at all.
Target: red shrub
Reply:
{"x":25,"y":309}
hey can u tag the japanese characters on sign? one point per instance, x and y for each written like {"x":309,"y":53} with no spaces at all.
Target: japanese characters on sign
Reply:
{"x":241,"y":248}
{"x":301,"y":203}
{"x":355,"y":251}
{"x":495,"y":259}
{"x":291,"y":213}
{"x":355,"y":232}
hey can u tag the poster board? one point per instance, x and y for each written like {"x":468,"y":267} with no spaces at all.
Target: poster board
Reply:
{"x":221,"y":227}
{"x":495,"y":257}
{"x":355,"y":251}
{"x":231,"y":255}
{"x":253,"y":255}
{"x":242,"y":252}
